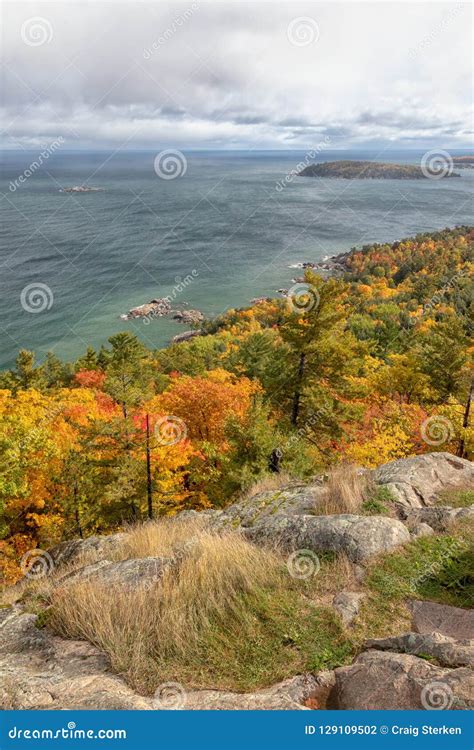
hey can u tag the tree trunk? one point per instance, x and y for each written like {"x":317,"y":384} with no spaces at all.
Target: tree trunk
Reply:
{"x":149,"y":484}
{"x":297,"y":395}
{"x":77,"y":517}
{"x":275,"y":460}
{"x":465,"y":422}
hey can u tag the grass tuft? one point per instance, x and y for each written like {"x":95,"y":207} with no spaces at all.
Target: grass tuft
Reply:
{"x":351,"y":490}
{"x":229,"y":616}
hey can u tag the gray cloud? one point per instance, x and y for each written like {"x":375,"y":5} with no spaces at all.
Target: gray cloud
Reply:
{"x":226,"y":74}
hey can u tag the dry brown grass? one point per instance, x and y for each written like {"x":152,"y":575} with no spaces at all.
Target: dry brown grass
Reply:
{"x":146,"y":630}
{"x":268,"y":483}
{"x":344,"y":491}
{"x":335,"y":575}
{"x":160,"y":538}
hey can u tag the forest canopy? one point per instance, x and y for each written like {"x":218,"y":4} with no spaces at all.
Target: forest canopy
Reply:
{"x":364,"y":368}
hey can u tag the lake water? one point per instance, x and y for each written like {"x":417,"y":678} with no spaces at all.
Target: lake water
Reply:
{"x":225,"y":219}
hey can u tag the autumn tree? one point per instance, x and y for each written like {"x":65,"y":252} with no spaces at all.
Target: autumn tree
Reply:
{"x":322,"y":354}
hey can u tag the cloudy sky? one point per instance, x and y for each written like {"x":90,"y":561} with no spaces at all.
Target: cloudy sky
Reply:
{"x":105,"y":74}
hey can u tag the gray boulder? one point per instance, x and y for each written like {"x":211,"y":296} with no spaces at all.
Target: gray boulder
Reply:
{"x":420,"y":529}
{"x":439,"y":519}
{"x":453,"y":622}
{"x":416,"y":482}
{"x":347,"y":605}
{"x":385,"y":680}
{"x":41,"y":671}
{"x":94,"y":548}
{"x":447,"y":651}
{"x":359,"y":537}
{"x":134,"y":572}
{"x":293,"y":500}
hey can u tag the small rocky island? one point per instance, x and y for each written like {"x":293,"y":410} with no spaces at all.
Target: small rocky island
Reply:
{"x":158,"y":308}
{"x":82,"y":189}
{"x":366,"y":170}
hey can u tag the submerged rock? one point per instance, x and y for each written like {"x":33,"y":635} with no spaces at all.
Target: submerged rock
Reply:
{"x":190,"y":317}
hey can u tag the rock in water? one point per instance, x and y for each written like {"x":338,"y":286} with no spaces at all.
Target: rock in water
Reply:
{"x":190,"y":317}
{"x":180,"y":337}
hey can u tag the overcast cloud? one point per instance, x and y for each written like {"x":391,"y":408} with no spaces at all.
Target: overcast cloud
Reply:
{"x":236,"y":75}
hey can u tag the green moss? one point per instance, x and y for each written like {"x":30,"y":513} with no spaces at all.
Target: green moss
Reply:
{"x":428,"y":657}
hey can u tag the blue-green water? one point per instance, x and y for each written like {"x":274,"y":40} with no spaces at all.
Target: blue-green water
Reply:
{"x":102,"y":253}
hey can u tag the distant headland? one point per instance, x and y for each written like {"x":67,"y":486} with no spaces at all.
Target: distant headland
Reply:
{"x":463,"y":161}
{"x":366,"y":170}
